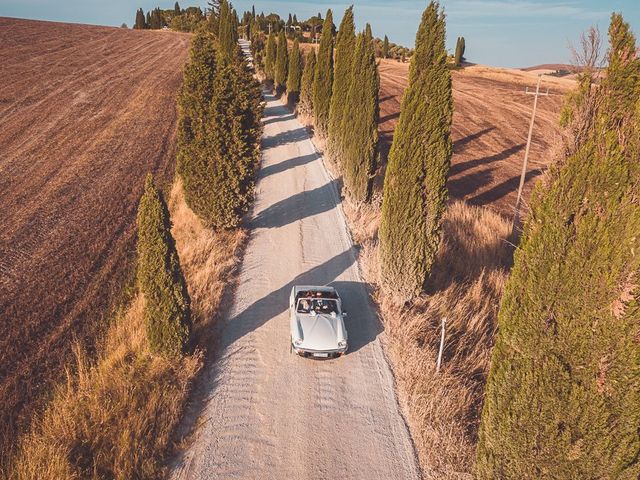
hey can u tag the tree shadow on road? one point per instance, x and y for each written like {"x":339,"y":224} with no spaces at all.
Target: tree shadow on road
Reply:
{"x":287,"y":164}
{"x":285,"y":138}
{"x":362,"y":329}
{"x":301,"y":205}
{"x":279,"y":118}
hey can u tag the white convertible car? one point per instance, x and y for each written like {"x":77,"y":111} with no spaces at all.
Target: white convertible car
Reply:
{"x":317,"y":322}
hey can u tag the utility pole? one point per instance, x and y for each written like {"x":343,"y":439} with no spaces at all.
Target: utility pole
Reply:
{"x":516,"y":215}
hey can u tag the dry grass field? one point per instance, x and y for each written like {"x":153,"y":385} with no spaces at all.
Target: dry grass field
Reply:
{"x":85,"y":113}
{"x":490,"y":126}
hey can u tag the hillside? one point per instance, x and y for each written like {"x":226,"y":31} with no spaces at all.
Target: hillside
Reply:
{"x":490,"y":126}
{"x":85,"y":113}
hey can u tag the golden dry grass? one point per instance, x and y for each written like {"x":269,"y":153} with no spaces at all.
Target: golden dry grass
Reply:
{"x":115,"y":415}
{"x":443,"y":409}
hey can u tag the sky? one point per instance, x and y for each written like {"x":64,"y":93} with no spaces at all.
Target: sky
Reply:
{"x":507,"y":33}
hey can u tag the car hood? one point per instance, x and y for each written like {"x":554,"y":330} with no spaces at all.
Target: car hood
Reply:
{"x":321,"y":332}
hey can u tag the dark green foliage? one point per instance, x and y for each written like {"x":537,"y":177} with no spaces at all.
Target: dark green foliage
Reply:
{"x":282,"y":63}
{"x":295,"y":72}
{"x":148,"y":20}
{"x":228,"y":33}
{"x":289,"y":21}
{"x":345,"y":48}
{"x":563,"y":393}
{"x":305,"y":106}
{"x":323,"y":81}
{"x":167,"y":311}
{"x":623,"y":82}
{"x":459,"y":55}
{"x":385,"y":47}
{"x":140,"y":22}
{"x":176,"y":9}
{"x":270,"y":57}
{"x":218,"y":135}
{"x":360,"y":125}
{"x":415,"y":190}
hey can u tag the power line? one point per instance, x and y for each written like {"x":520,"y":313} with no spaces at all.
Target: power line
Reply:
{"x":537,"y":94}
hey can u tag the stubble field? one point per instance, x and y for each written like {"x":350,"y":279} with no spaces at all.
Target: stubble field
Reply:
{"x":490,"y":126}
{"x":85,"y":113}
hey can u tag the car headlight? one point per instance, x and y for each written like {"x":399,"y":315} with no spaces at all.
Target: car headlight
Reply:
{"x":297,"y":342}
{"x":342,"y":343}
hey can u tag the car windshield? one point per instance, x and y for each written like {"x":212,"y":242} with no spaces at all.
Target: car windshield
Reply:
{"x":317,"y":305}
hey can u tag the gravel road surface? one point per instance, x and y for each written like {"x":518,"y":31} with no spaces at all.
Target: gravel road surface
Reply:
{"x":270,"y":414}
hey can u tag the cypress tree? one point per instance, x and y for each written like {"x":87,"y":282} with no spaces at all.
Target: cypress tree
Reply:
{"x":360,"y":127}
{"x":148,"y":20}
{"x":563,"y":393}
{"x":140,"y":22}
{"x":345,"y":48}
{"x":295,"y":19}
{"x":323,"y":80}
{"x":282,"y":63}
{"x":228,"y":36}
{"x":176,"y":9}
{"x":415,"y":190}
{"x":270,"y":57}
{"x":305,"y":106}
{"x":295,"y":72}
{"x":385,"y":47}
{"x":167,"y":311}
{"x":289,"y":21}
{"x":459,"y":55}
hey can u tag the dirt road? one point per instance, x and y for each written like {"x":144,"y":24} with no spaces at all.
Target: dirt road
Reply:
{"x":269,"y":413}
{"x":85,"y":113}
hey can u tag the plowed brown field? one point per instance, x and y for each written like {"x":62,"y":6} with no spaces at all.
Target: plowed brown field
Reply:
{"x":490,"y":126}
{"x":85,"y":113}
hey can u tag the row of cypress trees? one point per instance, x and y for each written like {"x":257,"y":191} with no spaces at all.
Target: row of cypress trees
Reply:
{"x":563,"y":394}
{"x":352,"y":130}
{"x":219,"y":130}
{"x":218,"y":151}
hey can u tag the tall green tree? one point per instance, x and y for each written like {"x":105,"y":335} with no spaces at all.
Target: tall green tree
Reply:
{"x":415,"y":190}
{"x":345,"y":48}
{"x":270,"y":57}
{"x":295,"y":72}
{"x":305,"y":105}
{"x":282,"y":63}
{"x":563,"y":394}
{"x":323,"y":81}
{"x":176,"y":9}
{"x":459,"y":54}
{"x":360,"y":127}
{"x":140,"y":21}
{"x":218,"y":136}
{"x":228,"y":33}
{"x":385,"y":47}
{"x":167,"y":310}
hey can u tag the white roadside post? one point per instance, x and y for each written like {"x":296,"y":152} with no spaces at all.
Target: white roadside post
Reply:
{"x":444,"y":323}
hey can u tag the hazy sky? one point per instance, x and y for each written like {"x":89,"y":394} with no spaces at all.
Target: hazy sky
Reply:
{"x":498,"y":32}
